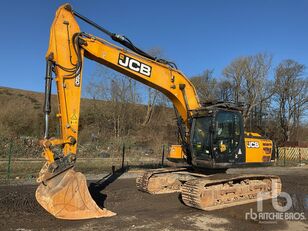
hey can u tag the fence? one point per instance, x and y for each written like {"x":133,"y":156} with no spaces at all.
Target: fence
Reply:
{"x":12,"y":166}
{"x":291,"y":156}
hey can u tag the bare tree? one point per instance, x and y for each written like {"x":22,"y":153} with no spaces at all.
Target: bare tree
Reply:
{"x":249,"y":76}
{"x":122,"y":94}
{"x":235,"y":72}
{"x":291,"y":96}
{"x":154,"y":97}
{"x":224,"y":91}
{"x":205,"y":85}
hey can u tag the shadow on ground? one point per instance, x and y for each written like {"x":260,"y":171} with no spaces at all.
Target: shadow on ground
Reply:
{"x":95,"y":188}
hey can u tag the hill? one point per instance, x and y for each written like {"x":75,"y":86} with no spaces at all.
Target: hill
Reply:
{"x":104,"y":125}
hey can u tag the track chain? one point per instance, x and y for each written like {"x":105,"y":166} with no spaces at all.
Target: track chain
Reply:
{"x":142,"y":182}
{"x":191,"y":192}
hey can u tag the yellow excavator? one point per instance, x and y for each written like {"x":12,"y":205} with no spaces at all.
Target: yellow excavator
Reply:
{"x":212,"y":136}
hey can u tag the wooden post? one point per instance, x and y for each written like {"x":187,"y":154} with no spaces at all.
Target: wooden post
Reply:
{"x":299,"y":155}
{"x":123,"y":156}
{"x":277,"y":152}
{"x":9,"y":160}
{"x":284,"y":157}
{"x":163,"y":155}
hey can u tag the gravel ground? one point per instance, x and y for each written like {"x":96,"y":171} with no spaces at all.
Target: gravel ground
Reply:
{"x":140,"y":211}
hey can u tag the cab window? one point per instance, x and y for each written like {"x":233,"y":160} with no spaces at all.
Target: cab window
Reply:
{"x":201,"y":136}
{"x":227,"y":132}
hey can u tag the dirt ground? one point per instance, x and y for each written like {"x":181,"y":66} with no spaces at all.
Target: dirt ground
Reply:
{"x":140,"y":211}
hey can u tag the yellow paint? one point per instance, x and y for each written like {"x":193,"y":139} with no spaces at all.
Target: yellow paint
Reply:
{"x":61,"y":51}
{"x":256,"y":153}
{"x":162,"y":77}
{"x":176,"y":152}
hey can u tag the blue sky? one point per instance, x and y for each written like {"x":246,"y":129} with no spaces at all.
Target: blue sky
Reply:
{"x":195,"y":34}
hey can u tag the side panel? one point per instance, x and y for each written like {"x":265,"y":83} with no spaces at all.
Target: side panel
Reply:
{"x":258,"y":150}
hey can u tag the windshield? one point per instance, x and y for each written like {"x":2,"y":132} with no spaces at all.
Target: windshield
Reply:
{"x":201,"y":136}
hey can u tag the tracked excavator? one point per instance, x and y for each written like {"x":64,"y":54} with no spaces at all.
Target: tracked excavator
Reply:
{"x":212,"y":136}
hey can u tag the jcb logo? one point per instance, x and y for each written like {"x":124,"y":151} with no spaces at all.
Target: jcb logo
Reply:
{"x":252,"y":144}
{"x":134,"y":65}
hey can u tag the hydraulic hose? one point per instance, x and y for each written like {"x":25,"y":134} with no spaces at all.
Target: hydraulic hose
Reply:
{"x":47,"y":101}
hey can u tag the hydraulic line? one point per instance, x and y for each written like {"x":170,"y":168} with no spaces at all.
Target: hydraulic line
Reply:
{"x":47,"y":103}
{"x":123,"y":40}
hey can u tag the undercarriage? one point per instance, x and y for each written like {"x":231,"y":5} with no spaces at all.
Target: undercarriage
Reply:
{"x":209,"y":192}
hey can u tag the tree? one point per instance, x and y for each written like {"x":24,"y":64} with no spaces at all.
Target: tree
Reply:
{"x":205,"y":85}
{"x":291,"y":97}
{"x":224,"y":91}
{"x":234,"y":73}
{"x":122,"y":94}
{"x":154,"y":96}
{"x":249,"y":76}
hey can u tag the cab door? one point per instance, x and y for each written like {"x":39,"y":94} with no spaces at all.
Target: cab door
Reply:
{"x":228,"y":137}
{"x":201,"y":137}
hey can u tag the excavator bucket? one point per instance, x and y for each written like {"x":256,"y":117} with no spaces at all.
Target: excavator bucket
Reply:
{"x":66,"y":196}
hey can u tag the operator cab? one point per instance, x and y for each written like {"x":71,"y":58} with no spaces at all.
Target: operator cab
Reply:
{"x":217,"y":137}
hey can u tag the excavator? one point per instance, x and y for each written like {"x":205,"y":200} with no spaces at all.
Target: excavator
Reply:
{"x":211,"y":135}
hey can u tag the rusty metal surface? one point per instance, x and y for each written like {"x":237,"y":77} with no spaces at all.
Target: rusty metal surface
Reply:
{"x":215,"y":192}
{"x":145,"y":183}
{"x":209,"y":192}
{"x":66,"y":196}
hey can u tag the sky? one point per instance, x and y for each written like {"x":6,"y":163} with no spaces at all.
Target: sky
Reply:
{"x":195,"y":34}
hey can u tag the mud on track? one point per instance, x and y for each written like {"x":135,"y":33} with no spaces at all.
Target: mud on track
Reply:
{"x":139,"y":211}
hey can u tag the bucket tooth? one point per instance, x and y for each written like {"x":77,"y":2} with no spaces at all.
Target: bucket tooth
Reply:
{"x":66,"y":196}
